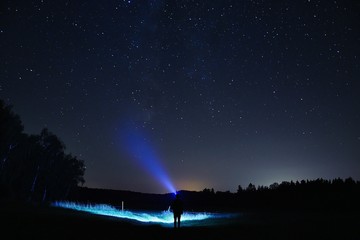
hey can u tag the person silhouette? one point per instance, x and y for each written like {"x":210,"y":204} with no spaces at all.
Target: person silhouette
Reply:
{"x":177,"y":209}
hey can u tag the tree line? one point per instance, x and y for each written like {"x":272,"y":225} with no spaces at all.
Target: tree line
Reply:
{"x":317,"y":194}
{"x":305,"y":195}
{"x":318,"y":185}
{"x":34,"y":167}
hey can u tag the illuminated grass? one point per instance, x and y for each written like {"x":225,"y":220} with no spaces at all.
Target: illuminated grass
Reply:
{"x":162,"y":217}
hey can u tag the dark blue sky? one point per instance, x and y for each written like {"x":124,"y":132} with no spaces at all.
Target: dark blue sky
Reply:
{"x":224,"y":93}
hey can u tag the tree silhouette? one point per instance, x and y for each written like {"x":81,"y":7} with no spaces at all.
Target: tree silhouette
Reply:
{"x":34,"y":167}
{"x":239,"y":189}
{"x":11,"y":130}
{"x":251,"y":188}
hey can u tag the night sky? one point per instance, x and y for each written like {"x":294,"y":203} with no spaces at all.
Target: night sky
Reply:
{"x":213,"y":94}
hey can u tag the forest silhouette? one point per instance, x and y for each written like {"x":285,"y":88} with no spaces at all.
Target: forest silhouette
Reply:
{"x":317,"y":195}
{"x":34,"y":168}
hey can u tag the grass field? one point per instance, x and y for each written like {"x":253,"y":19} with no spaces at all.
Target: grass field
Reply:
{"x":20,"y":221}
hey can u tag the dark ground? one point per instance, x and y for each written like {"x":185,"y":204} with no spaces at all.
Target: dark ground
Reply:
{"x":20,"y":221}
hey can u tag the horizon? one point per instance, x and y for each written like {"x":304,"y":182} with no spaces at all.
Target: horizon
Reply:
{"x":216,"y":190}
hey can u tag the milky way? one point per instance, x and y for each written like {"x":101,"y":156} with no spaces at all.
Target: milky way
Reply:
{"x":227,"y":92}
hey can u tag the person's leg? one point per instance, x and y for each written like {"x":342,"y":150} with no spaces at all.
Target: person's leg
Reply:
{"x":178,"y":221}
{"x":174,"y":221}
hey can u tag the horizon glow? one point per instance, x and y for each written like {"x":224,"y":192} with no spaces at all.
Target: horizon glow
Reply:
{"x":162,"y":217}
{"x":139,"y":149}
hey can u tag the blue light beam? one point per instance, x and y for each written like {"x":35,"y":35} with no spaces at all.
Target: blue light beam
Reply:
{"x":139,"y":149}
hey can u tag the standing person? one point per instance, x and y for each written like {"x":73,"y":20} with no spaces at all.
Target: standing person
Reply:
{"x":177,"y":208}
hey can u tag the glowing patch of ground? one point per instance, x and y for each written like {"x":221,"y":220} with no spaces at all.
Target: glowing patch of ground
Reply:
{"x":162,"y":217}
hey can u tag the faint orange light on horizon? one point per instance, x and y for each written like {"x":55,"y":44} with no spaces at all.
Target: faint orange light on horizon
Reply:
{"x":190,"y":185}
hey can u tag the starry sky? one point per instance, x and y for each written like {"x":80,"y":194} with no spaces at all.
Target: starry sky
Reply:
{"x":217,"y":93}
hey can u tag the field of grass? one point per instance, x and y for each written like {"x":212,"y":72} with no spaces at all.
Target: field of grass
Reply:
{"x":19,"y":221}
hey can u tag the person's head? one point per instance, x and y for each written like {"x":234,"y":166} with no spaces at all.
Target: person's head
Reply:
{"x":177,"y":195}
